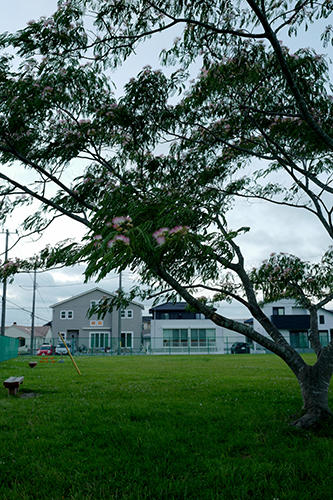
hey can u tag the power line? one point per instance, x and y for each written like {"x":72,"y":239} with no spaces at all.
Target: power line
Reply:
{"x":26,"y":310}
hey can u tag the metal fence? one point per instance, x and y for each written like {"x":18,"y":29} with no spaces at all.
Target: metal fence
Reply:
{"x":8,"y":348}
{"x":106,"y":346}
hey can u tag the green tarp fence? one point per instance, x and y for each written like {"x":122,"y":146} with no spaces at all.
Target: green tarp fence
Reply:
{"x":8,"y":348}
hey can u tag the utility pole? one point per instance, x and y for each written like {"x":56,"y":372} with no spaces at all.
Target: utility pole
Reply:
{"x":119,"y":319}
{"x":4,"y":291}
{"x":33,"y":314}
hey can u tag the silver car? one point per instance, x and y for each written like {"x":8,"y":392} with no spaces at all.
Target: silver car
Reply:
{"x":61,"y":348}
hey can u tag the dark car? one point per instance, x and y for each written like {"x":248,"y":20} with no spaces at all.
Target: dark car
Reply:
{"x":45,"y":350}
{"x":240,"y":348}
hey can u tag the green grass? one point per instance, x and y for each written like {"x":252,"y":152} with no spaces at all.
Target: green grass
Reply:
{"x":155,"y":427}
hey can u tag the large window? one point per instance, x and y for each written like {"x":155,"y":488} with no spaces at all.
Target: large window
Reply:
{"x":299,"y":339}
{"x":176,"y":337}
{"x":323,"y":337}
{"x":99,"y":340}
{"x":201,"y":337}
{"x":126,"y":339}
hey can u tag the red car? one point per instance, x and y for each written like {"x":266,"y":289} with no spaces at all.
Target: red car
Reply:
{"x":45,"y":350}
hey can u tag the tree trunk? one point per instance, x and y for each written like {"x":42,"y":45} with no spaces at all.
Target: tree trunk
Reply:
{"x":314,"y":387}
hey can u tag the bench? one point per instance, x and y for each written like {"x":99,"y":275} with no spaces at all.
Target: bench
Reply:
{"x":13,"y":384}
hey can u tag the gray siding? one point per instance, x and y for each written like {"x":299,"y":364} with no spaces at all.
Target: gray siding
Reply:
{"x":70,"y":317}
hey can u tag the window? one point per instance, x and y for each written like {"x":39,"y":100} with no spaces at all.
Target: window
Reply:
{"x":63,"y":334}
{"x":321,"y":319}
{"x":127,"y":314}
{"x":278,"y":311}
{"x":96,"y":322}
{"x":126,"y":339}
{"x":99,"y":340}
{"x":323,"y":337}
{"x":175,"y":337}
{"x":201,"y":337}
{"x":199,"y":316}
{"x":66,"y":314}
{"x":299,"y":339}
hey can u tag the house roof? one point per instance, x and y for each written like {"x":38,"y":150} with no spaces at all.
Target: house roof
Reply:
{"x":170,"y":306}
{"x":39,"y":331}
{"x":98,"y":289}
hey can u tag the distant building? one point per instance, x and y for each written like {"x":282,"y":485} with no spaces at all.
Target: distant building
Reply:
{"x":293,"y":322}
{"x":175,"y":329}
{"x":146,"y":332}
{"x":42,"y":335}
{"x":70,"y":318}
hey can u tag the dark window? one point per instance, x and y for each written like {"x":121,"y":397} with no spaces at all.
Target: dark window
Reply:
{"x":164,"y":315}
{"x":321,"y":319}
{"x":278,"y":311}
{"x":323,"y":337}
{"x":299,"y":339}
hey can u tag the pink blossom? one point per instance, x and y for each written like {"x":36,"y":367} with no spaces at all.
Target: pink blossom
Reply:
{"x":117,"y":221}
{"x":179,"y":229}
{"x":161,"y":232}
{"x":160,"y":240}
{"x":118,"y":237}
{"x":98,"y":237}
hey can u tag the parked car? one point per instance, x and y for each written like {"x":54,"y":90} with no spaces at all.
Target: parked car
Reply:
{"x":45,"y":350}
{"x":240,"y":348}
{"x":61,"y":348}
{"x":24,"y":349}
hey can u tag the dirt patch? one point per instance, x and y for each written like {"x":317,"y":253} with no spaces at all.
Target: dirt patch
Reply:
{"x":29,"y":395}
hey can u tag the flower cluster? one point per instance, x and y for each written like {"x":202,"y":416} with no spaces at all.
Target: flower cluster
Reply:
{"x":121,"y":238}
{"x":121,"y":223}
{"x":161,"y":234}
{"x":9,"y":268}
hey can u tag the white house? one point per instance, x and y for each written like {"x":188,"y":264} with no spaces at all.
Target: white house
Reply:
{"x":294,"y":323}
{"x":42,"y":335}
{"x":177,"y":330}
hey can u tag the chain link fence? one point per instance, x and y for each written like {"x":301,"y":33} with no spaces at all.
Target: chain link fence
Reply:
{"x":108,"y":346}
{"x":8,"y":348}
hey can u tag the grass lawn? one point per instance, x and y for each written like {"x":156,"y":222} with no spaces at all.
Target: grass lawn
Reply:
{"x":159,"y":427}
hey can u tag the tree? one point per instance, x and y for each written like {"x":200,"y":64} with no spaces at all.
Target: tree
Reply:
{"x":165,"y":215}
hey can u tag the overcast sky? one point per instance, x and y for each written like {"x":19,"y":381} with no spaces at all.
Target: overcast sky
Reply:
{"x":274,"y":228}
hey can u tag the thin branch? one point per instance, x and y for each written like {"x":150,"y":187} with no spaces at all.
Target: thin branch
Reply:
{"x":46,"y":201}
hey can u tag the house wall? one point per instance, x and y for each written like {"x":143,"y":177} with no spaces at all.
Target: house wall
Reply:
{"x":164,"y":344}
{"x":70,"y":318}
{"x":325,"y":323}
{"x":13,"y":331}
{"x":76,"y":324}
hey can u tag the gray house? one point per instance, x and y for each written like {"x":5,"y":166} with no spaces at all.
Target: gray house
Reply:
{"x":70,"y":318}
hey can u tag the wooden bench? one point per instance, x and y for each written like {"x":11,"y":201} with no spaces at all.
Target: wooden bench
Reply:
{"x":13,"y":384}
